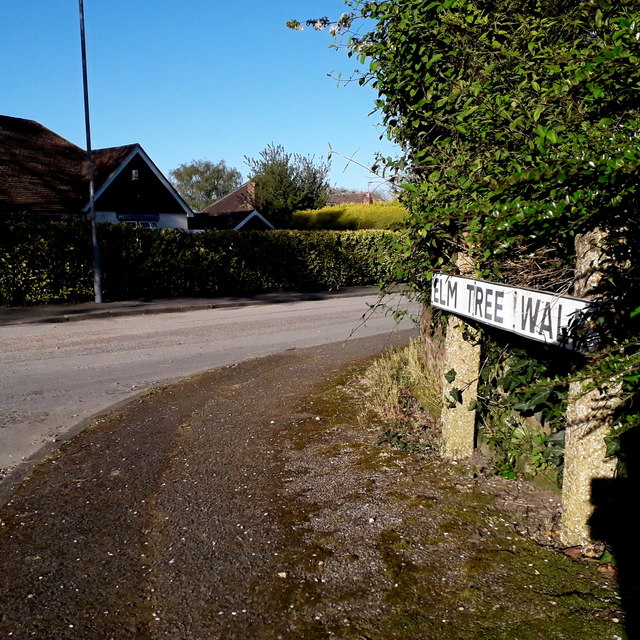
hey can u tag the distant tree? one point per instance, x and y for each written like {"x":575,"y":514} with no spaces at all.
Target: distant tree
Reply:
{"x":202,"y":182}
{"x":287,"y":182}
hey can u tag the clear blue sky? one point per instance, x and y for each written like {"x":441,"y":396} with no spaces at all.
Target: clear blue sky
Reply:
{"x":189,"y":79}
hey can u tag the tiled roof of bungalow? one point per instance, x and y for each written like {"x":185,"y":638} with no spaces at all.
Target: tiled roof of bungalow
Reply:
{"x":243,"y":199}
{"x":39,"y":170}
{"x":42,"y":171}
{"x":352,"y":197}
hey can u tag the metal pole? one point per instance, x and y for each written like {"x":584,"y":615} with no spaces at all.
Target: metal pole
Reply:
{"x":97,"y":270}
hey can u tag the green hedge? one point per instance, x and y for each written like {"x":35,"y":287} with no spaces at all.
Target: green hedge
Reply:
{"x":46,"y":262}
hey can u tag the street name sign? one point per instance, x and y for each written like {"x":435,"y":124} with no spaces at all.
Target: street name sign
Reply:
{"x":537,"y":315}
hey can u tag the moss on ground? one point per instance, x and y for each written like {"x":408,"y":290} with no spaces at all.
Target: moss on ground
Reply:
{"x":440,"y":559}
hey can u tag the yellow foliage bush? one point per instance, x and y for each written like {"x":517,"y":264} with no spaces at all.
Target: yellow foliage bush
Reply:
{"x":380,"y":215}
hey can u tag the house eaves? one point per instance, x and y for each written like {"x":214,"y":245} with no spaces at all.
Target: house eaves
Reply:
{"x":253,"y":214}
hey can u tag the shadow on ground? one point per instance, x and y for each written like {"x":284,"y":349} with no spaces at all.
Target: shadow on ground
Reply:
{"x":615,"y":522}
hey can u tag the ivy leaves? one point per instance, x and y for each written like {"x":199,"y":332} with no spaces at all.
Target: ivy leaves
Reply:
{"x":450,"y":376}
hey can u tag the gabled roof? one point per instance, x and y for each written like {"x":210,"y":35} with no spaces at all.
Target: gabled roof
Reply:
{"x":254,"y":220}
{"x":235,"y":221}
{"x":106,"y":161}
{"x":352,"y":197}
{"x":41,"y":171}
{"x":110,"y":162}
{"x":234,"y":211}
{"x":243,"y":199}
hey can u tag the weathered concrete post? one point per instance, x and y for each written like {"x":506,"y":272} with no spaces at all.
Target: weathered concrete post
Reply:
{"x":462,"y":355}
{"x":589,"y":415}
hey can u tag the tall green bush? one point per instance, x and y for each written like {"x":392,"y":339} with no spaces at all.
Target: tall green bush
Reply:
{"x":518,"y":125}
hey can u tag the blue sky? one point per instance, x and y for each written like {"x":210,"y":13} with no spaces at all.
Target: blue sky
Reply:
{"x":189,"y":79}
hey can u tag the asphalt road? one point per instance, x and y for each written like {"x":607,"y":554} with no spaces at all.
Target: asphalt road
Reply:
{"x":55,"y":377}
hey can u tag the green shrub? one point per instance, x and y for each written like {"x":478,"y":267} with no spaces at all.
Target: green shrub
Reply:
{"x":380,"y":215}
{"x":44,"y":261}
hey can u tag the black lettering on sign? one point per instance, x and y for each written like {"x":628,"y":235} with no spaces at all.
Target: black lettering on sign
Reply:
{"x":559,"y":323}
{"x":526,"y":314}
{"x":471,"y":290}
{"x":488,"y":303}
{"x":545,"y":323}
{"x":539,"y":315}
{"x":478,"y":306}
{"x":498,"y":307}
{"x":452,"y":292}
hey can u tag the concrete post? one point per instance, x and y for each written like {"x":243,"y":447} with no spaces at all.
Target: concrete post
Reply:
{"x":588,"y":422}
{"x":589,"y":415}
{"x":462,"y":355}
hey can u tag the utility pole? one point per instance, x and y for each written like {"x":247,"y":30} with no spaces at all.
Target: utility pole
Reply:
{"x":97,"y":269}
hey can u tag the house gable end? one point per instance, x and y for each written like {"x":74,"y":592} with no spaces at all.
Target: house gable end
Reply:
{"x":136,"y":186}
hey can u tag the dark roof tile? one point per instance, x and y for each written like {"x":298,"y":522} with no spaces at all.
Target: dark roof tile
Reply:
{"x":41,"y":171}
{"x":243,"y":199}
{"x":353,"y":197}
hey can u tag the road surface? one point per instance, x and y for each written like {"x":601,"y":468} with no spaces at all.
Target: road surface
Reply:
{"x":54,"y":377}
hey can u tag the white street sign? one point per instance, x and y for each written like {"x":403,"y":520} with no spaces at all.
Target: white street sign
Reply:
{"x":541,"y":316}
